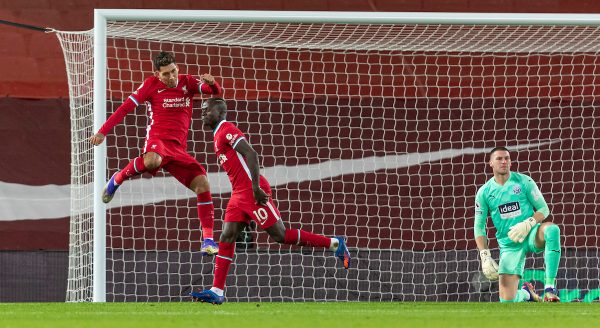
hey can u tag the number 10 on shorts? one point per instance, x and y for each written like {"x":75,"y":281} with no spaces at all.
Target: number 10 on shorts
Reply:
{"x":261,"y":215}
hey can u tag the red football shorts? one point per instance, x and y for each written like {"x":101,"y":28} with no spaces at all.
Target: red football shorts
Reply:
{"x":242,"y":207}
{"x":175,"y":160}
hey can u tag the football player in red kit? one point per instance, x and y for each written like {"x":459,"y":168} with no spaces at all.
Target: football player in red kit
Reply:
{"x":250,"y":200}
{"x":168,"y":96}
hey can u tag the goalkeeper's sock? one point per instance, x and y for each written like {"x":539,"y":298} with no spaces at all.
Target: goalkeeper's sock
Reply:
{"x":551,"y":254}
{"x":135,"y":167}
{"x":305,"y":238}
{"x":522,"y":296}
{"x":222,"y":263}
{"x":206,"y":213}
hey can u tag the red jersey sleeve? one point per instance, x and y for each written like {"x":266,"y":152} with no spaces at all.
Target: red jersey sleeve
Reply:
{"x":127,"y":107}
{"x":140,"y":95}
{"x":231,"y":135}
{"x":207,"y":89}
{"x":143,"y":91}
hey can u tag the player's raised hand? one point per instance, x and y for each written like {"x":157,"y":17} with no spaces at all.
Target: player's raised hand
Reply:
{"x":488,"y":265}
{"x":97,"y":139}
{"x":519,"y":231}
{"x":261,"y":196}
{"x":209,"y":79}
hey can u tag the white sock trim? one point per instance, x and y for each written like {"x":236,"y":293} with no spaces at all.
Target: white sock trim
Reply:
{"x":217,"y":291}
{"x":135,"y":166}
{"x":225,"y":258}
{"x":334,"y":244}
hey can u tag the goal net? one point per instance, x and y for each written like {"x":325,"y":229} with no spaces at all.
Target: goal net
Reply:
{"x":377,"y":132}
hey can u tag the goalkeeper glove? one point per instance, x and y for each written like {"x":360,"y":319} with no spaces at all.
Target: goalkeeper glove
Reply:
{"x":519,"y":231}
{"x":488,"y":265}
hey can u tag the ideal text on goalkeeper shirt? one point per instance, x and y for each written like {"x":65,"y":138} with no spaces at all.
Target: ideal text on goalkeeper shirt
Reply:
{"x":510,"y":203}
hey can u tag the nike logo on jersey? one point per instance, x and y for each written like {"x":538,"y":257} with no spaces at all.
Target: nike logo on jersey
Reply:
{"x":161,"y":90}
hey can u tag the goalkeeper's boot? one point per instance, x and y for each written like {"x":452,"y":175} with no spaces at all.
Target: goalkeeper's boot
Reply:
{"x":207,"y":296}
{"x":342,"y":252}
{"x":110,"y":189}
{"x":209,"y":247}
{"x":533,"y":296}
{"x":551,"y":295}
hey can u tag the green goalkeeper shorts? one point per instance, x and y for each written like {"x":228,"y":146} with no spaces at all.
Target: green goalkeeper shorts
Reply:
{"x":512,"y":255}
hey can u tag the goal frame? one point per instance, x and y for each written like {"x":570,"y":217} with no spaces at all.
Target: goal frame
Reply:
{"x":101,"y":16}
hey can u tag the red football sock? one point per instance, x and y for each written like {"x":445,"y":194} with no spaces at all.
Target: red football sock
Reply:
{"x":206,"y":213}
{"x":222,"y":263}
{"x":135,"y":167}
{"x":305,"y":238}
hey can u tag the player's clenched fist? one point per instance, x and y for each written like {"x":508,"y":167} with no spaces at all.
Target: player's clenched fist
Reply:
{"x":97,"y":139}
{"x":209,"y":79}
{"x":488,"y":265}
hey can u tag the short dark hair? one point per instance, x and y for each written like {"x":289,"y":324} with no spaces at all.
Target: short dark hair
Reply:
{"x":495,"y":149}
{"x":163,"y":58}
{"x":215,"y":101}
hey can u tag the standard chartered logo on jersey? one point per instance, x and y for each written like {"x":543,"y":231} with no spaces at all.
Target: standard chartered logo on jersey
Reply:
{"x":509,"y":210}
{"x":176,"y":102}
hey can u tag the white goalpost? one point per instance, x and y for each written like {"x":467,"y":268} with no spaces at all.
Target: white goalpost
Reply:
{"x":375,"y":126}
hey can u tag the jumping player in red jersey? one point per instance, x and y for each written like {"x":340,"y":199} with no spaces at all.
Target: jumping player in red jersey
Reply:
{"x":250,"y":200}
{"x":168,"y":96}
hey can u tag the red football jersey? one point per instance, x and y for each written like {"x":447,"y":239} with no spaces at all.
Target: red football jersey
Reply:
{"x":227,"y":136}
{"x":169,"y":109}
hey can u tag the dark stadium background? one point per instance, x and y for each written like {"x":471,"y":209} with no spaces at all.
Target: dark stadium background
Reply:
{"x":34,"y":112}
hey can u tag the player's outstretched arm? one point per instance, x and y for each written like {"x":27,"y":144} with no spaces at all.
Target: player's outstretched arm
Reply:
{"x":244,"y":148}
{"x":115,"y":118}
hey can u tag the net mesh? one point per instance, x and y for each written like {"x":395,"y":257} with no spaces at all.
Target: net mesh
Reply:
{"x":375,"y":132}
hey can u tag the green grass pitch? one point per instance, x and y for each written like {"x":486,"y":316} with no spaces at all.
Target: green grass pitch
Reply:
{"x":288,"y":315}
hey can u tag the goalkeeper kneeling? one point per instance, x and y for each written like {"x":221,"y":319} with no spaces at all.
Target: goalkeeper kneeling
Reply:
{"x":517,"y":208}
